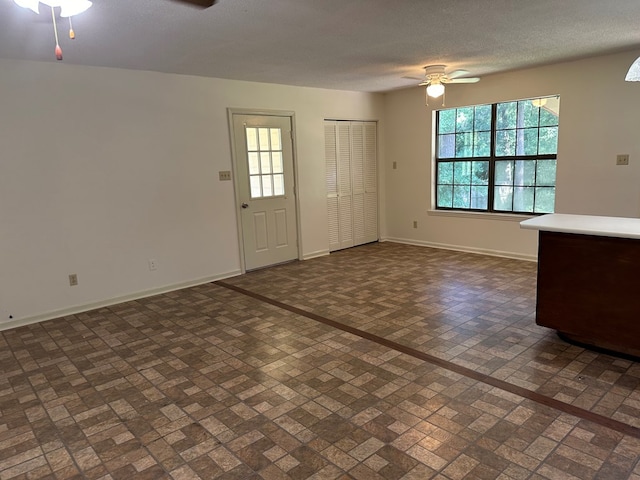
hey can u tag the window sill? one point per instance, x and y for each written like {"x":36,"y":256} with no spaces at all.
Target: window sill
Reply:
{"x":505,"y":217}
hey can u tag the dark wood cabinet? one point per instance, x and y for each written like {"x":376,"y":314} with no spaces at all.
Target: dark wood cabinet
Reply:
{"x":589,"y":279}
{"x":589,"y":289}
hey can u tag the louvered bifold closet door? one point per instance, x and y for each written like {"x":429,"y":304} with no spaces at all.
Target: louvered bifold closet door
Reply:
{"x":357,"y":183}
{"x":331,"y":160}
{"x":370,"y":182}
{"x":338,"y":179}
{"x":345,"y":192}
{"x":352,"y":194}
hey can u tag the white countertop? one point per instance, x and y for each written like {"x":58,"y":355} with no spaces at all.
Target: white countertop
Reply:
{"x":585,"y":225}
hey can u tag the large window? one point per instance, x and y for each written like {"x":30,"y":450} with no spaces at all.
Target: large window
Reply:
{"x":498,"y":158}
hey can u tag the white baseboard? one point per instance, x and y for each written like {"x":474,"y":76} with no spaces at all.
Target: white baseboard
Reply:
{"x":178,"y":286}
{"x":462,"y":248}
{"x":112,"y":301}
{"x":319,"y":253}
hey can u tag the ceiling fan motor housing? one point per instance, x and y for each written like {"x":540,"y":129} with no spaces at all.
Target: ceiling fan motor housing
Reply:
{"x":434,"y":74}
{"x":434,"y":70}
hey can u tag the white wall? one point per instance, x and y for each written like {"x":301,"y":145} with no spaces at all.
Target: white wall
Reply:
{"x":599,"y":118}
{"x":102,"y":169}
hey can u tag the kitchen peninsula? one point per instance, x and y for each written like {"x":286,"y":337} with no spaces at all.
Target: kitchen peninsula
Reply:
{"x":588,"y":285}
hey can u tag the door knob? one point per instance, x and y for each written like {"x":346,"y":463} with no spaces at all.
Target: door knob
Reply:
{"x":245,"y":205}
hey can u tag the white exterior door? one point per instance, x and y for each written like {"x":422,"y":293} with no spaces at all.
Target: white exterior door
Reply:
{"x":266,"y":191}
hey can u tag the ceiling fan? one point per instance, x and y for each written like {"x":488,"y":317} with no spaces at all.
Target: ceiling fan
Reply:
{"x":71,"y":8}
{"x":435,"y":78}
{"x":198,"y":3}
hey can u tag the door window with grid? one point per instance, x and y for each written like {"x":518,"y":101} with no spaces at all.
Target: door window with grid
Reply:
{"x":266,"y":168}
{"x":498,"y":158}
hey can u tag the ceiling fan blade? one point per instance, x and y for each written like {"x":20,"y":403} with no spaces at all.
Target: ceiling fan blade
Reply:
{"x":436,"y":74}
{"x":198,"y":3}
{"x":457,"y":73}
{"x":463,"y":80}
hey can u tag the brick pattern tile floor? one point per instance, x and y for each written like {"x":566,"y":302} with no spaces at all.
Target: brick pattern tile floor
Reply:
{"x":211,"y":383}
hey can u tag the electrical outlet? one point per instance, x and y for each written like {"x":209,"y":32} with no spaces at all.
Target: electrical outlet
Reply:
{"x":622,"y":159}
{"x":224,"y":175}
{"x":415,"y":224}
{"x":73,"y":279}
{"x":153,"y":264}
{"x":395,"y":165}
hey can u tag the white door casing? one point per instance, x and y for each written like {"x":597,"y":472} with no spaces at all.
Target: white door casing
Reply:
{"x":265,"y":188}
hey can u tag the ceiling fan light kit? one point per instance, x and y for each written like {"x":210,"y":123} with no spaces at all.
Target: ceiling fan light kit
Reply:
{"x":68,"y":8}
{"x":539,"y":102}
{"x":435,"y":90}
{"x":633,"y":75}
{"x":435,"y":78}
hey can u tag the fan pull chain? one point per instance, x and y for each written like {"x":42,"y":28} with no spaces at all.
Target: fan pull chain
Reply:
{"x":72,"y":34}
{"x":55,"y":32}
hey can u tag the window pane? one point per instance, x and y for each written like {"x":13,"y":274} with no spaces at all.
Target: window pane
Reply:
{"x":447,"y":121}
{"x":523,"y":199}
{"x":265,"y":162}
{"x":462,"y":173}
{"x":525,"y":173}
{"x":445,"y":173}
{"x":479,"y":197}
{"x":464,"y":119}
{"x":546,"y":173}
{"x":548,"y":118}
{"x":503,"y":198}
{"x":263,"y":136}
{"x":276,"y":143}
{"x":483,"y":118}
{"x":447,"y":146}
{"x":527,"y":114}
{"x":461,"y":196}
{"x":254,"y":166}
{"x":504,"y":173}
{"x":545,"y":199}
{"x":548,"y":140}
{"x":527,"y":141}
{"x":276,"y":158}
{"x":482,"y":144}
{"x":505,"y":143}
{"x":256,"y":192}
{"x":506,"y":115}
{"x":480,"y":173}
{"x":267,"y":188}
{"x":445,"y":196}
{"x":252,"y":139}
{"x":278,"y":184}
{"x":464,"y":145}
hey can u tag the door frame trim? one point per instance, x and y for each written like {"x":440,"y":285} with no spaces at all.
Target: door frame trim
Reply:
{"x":234,"y":160}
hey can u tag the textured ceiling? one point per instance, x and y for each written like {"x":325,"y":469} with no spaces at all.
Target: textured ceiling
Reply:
{"x":366,"y":45}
